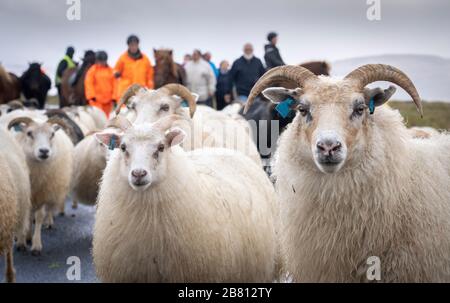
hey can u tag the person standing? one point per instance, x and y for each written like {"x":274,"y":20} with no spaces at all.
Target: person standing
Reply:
{"x":65,"y":63}
{"x":133,"y":67}
{"x":245,"y":71}
{"x":100,"y":84}
{"x":200,"y":79}
{"x":207,"y":56}
{"x":271,"y":53}
{"x":224,"y":87}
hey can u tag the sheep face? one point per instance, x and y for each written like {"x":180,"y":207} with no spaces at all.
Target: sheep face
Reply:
{"x":331,"y":120}
{"x":151,"y":105}
{"x":143,"y":151}
{"x":37,"y":140}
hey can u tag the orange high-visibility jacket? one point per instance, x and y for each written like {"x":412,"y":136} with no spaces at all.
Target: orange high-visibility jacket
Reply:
{"x":100,"y":83}
{"x":133,"y":72}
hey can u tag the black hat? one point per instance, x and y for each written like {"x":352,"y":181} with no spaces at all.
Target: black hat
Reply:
{"x":271,"y":35}
{"x":132,"y":38}
{"x":70,"y":51}
{"x":101,"y":56}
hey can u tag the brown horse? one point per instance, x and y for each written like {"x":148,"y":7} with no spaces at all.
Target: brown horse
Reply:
{"x":166,"y":70}
{"x":317,"y":67}
{"x":73,"y":94}
{"x":9,"y":86}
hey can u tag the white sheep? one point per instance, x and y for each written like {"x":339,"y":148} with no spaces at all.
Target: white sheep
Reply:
{"x":48,"y":153}
{"x":89,"y":158}
{"x":207,"y":128}
{"x":166,"y":215}
{"x":97,"y":115}
{"x":82,"y":118}
{"x":14,"y":199}
{"x":354,"y":185}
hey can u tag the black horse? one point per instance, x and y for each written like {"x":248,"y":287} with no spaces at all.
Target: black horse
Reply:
{"x":35,"y":84}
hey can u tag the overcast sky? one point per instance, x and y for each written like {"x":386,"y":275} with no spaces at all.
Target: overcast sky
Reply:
{"x":319,"y":29}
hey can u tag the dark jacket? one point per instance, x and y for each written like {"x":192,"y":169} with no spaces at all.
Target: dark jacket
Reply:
{"x":272,"y":56}
{"x":245,"y":73}
{"x":224,"y":87}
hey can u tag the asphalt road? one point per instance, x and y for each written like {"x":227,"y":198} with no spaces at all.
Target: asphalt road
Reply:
{"x":70,"y":236}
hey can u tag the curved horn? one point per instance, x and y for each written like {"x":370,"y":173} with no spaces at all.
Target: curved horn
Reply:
{"x":183,"y":92}
{"x":25,"y":120}
{"x":130,"y":92}
{"x":296,"y":75}
{"x":119,"y":122}
{"x":15,"y":104}
{"x":165,"y":123}
{"x":66,"y":127}
{"x":369,"y":73}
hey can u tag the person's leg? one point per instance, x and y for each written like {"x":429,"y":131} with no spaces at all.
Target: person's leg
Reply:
{"x":62,"y":100}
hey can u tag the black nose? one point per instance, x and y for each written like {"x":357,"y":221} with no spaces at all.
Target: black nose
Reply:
{"x":328,"y":147}
{"x":138,"y":173}
{"x":43,"y":151}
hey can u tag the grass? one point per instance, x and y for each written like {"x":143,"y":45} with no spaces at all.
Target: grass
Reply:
{"x":435,"y":114}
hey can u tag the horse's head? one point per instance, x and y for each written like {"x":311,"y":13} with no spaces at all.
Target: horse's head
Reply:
{"x":163,"y":56}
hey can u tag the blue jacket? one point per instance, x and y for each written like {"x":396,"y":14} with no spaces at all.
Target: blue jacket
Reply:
{"x":245,"y":73}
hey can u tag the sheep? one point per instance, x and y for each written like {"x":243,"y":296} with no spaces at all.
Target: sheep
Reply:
{"x":352,"y":183}
{"x":14,"y":199}
{"x":208,"y":128}
{"x":423,"y":132}
{"x":48,"y":153}
{"x":166,"y":215}
{"x":97,"y":115}
{"x":82,"y":118}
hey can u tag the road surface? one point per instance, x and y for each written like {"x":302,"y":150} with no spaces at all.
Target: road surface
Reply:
{"x":70,"y":236}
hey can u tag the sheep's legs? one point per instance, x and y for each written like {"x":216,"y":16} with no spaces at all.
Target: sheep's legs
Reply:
{"x":62,"y":208}
{"x":39,"y":216}
{"x":10,"y":271}
{"x":49,"y":219}
{"x":74,"y":204}
{"x":21,"y":244}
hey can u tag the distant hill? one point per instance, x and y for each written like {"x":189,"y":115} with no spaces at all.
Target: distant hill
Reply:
{"x":430,"y":74}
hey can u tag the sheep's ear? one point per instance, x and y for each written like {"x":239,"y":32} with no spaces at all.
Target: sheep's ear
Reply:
{"x":279,"y":94}
{"x":378,"y":95}
{"x":110,"y":140}
{"x":175,"y":136}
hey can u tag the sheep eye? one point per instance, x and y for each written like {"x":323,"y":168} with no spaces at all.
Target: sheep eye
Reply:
{"x":52,"y":135}
{"x":165,"y":107}
{"x":161,"y":148}
{"x":123,"y":147}
{"x":30,"y":134}
{"x":303,"y":110}
{"x":359,"y":110}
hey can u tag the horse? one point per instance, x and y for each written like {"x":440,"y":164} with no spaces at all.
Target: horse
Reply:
{"x":166,"y":69}
{"x":317,"y":67}
{"x":73,"y":93}
{"x":264,"y":110}
{"x":35,"y":83}
{"x":9,"y":86}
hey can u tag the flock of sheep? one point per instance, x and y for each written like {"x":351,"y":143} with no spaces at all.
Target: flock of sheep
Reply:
{"x":181,"y":195}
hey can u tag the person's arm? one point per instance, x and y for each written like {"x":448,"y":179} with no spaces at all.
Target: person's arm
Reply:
{"x":118,"y":68}
{"x":61,"y":68}
{"x":211,"y":81}
{"x":261,"y":69}
{"x":277,"y":58}
{"x":89,"y":84}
